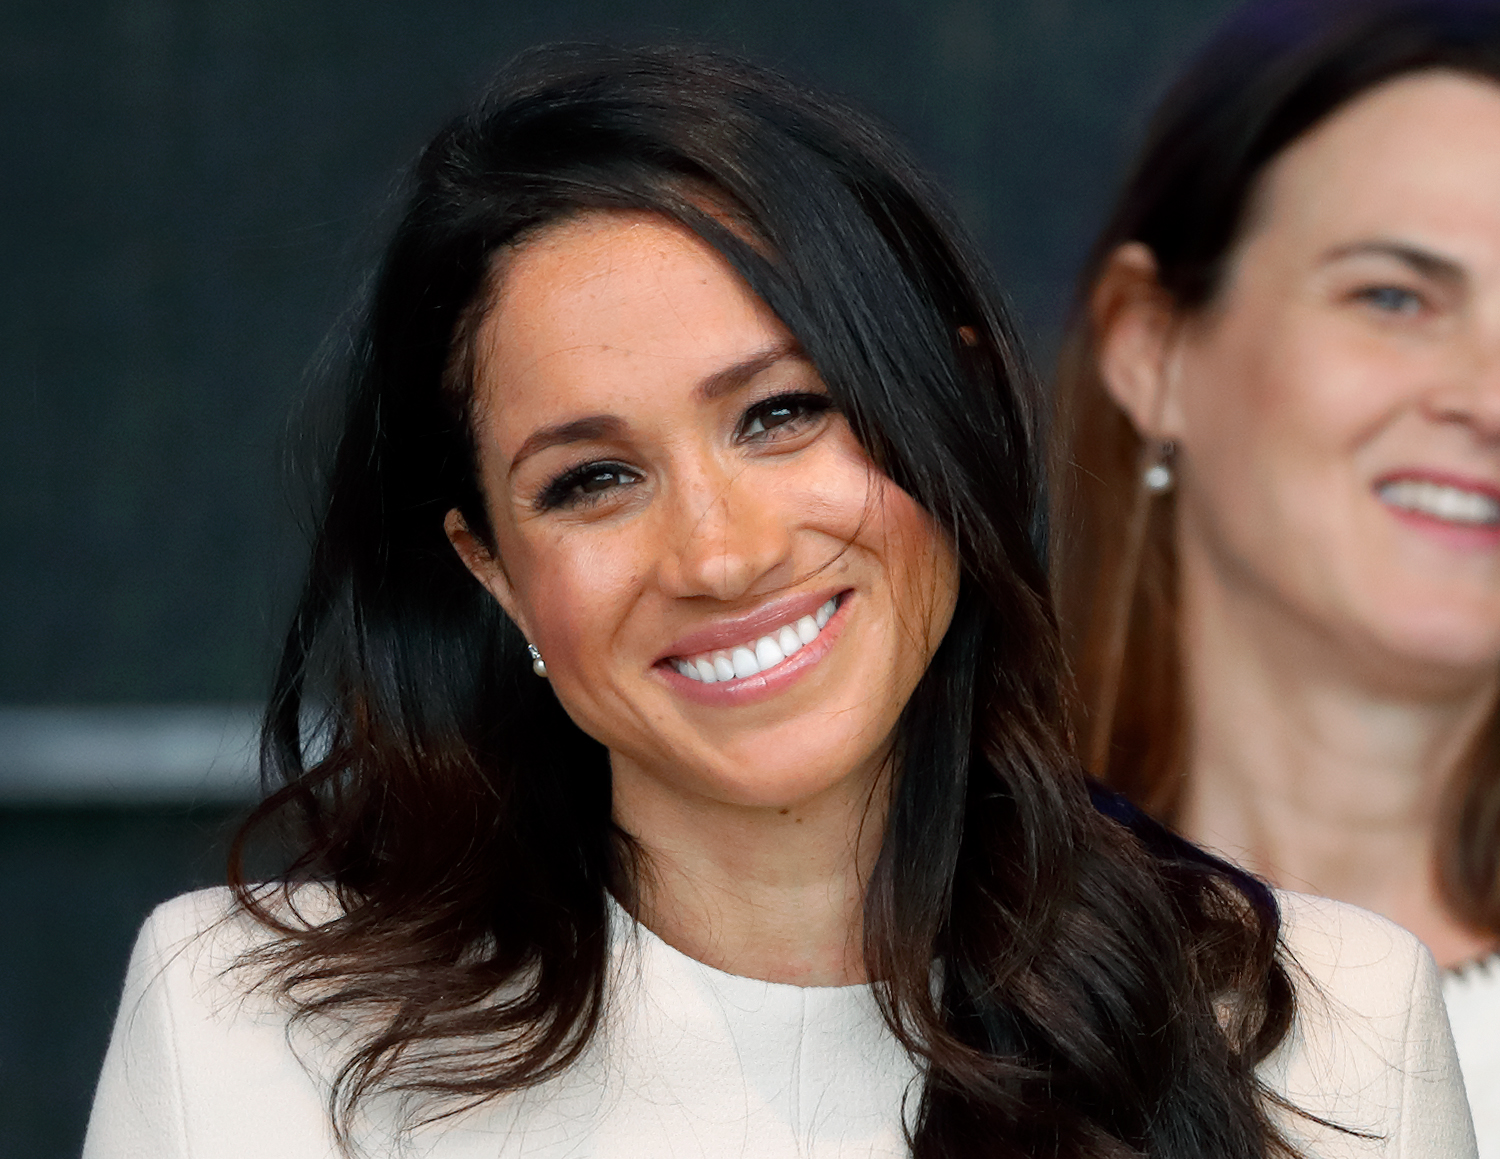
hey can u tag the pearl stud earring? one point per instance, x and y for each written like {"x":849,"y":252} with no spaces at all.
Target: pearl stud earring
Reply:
{"x":538,"y":665}
{"x":1159,"y":477}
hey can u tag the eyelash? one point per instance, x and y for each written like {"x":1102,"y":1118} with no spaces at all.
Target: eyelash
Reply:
{"x":797,"y":409}
{"x":567,"y":489}
{"x":813,"y":407}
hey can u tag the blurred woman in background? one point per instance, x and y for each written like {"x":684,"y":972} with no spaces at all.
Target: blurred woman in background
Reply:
{"x":1278,"y":469}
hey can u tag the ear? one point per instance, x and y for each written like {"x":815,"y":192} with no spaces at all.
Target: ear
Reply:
{"x":483,"y":566}
{"x":1135,"y":324}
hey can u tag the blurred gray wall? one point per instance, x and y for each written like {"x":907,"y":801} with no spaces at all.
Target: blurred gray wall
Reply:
{"x":192,"y":190}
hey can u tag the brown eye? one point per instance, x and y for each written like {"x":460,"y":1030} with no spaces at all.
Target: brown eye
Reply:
{"x":781,"y":412}
{"x":586,"y":484}
{"x":603,"y":480}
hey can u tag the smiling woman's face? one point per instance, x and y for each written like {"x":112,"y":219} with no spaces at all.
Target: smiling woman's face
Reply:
{"x":728,"y":595}
{"x":1338,"y":405}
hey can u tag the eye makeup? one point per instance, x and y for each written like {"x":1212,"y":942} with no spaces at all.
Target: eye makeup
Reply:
{"x":585,"y":485}
{"x":782,"y":415}
{"x":766,"y":421}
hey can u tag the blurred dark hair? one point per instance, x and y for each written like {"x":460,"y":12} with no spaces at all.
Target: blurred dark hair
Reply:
{"x":1105,"y":992}
{"x":1272,"y":72}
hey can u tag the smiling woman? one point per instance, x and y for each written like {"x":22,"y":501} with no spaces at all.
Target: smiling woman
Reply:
{"x":1279,"y":465}
{"x":678,"y":519}
{"x":670,"y":733}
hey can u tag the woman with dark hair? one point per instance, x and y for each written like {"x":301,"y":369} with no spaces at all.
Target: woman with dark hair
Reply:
{"x":669,"y":734}
{"x":1278,"y":471}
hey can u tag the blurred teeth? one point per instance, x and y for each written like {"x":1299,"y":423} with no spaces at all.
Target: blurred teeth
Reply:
{"x":1452,"y":504}
{"x":755,"y":656}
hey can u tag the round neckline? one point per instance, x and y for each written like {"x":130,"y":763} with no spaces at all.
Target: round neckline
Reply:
{"x":649,"y":938}
{"x":1480,"y":965}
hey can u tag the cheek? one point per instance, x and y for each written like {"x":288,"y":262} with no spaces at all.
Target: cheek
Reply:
{"x":572,"y":591}
{"x":833,"y":498}
{"x":920,"y":565}
{"x":1276,"y":409}
{"x":1239,"y":392}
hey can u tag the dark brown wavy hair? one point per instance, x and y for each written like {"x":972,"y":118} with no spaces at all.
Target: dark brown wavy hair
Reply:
{"x":1107,"y":990}
{"x":1272,"y":72}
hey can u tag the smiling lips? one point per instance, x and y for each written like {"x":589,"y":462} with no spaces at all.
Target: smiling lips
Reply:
{"x":755,"y":656}
{"x":1463,"y":506}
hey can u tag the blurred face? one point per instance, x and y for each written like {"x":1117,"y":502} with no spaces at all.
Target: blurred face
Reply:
{"x":727,"y":594}
{"x":1337,"y":409}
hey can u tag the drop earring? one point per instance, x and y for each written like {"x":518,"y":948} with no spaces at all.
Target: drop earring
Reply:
{"x":538,"y":665}
{"x":1158,"y":478}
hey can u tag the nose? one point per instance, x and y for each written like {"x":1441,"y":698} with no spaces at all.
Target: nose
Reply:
{"x":1471,"y":394}
{"x":725,"y":537}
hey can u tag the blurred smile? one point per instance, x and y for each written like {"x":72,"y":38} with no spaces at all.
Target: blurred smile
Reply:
{"x":1464,"y":512}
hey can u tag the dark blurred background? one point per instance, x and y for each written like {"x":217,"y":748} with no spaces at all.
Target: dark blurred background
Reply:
{"x":192,"y":192}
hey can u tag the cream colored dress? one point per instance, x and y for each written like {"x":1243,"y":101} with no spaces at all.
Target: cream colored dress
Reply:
{"x":694,"y":1062}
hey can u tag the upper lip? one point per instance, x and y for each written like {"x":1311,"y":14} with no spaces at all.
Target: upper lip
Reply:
{"x":751,"y":625}
{"x":1443,"y":479}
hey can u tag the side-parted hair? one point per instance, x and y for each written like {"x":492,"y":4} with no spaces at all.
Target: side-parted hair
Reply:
{"x":1105,"y":989}
{"x":1273,"y":72}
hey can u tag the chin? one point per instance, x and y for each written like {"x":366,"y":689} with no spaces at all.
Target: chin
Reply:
{"x":1444,"y":640}
{"x":742,"y":775}
{"x":784,"y":787}
{"x":1461,"y":650}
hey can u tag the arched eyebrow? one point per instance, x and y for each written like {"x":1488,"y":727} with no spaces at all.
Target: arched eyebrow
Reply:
{"x":732,"y":378}
{"x":582,"y":430}
{"x":607,"y":426}
{"x":1424,"y":261}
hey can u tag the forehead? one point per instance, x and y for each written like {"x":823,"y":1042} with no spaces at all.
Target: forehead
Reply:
{"x":610,"y":310}
{"x":1419,"y":155}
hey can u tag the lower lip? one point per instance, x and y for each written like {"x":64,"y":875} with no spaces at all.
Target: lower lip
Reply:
{"x":1457,"y":536}
{"x":763,"y":685}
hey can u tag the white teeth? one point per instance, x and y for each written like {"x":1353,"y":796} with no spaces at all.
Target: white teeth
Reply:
{"x":744,"y":663}
{"x":767,"y":653}
{"x":754,"y":658}
{"x":1442,"y":501}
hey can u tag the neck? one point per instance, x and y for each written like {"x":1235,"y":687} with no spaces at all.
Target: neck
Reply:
{"x":769,"y":892}
{"x":1318,"y":769}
